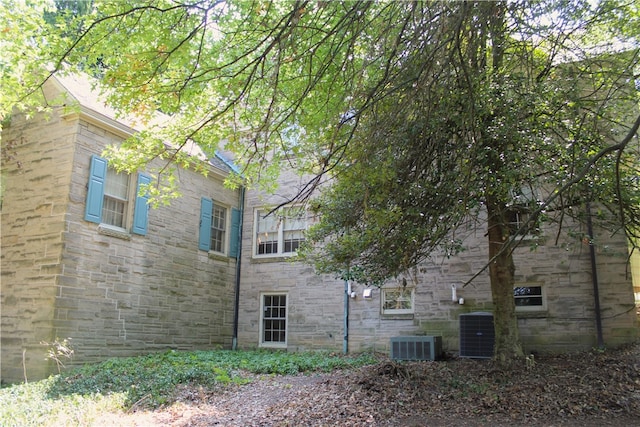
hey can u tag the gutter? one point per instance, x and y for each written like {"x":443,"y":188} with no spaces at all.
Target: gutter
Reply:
{"x":594,"y":278}
{"x":347,"y":295}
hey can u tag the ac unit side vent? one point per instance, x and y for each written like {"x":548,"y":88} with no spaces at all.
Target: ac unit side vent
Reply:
{"x":416,"y":348}
{"x":477,"y":336}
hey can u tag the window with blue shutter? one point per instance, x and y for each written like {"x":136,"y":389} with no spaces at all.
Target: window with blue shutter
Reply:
{"x":108,"y":198}
{"x":204,"y":238}
{"x":141,"y":208}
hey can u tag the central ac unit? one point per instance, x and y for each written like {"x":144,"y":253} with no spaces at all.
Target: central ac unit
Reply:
{"x":476,"y":335}
{"x":416,"y":348}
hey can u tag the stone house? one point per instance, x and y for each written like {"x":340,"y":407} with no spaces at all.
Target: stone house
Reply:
{"x":554,"y":292}
{"x":85,"y":259}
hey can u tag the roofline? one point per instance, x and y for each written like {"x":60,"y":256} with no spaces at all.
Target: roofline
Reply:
{"x":102,"y":121}
{"x":122,"y":130}
{"x":228,"y":162}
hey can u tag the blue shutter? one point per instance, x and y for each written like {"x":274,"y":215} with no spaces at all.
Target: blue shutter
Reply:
{"x":234,"y":243}
{"x":206,"y":207}
{"x":141,"y":208}
{"x":95,"y":189}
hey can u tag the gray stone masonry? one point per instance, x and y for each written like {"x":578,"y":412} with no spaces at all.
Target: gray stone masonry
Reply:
{"x":63,"y":278}
{"x":316,"y":302}
{"x":120,"y":295}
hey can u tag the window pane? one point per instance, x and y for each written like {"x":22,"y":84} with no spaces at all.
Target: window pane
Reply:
{"x":267,"y":224}
{"x":294,"y":219}
{"x":274,"y":318}
{"x":527,"y":290}
{"x":218,"y":228}
{"x":397,"y":299}
{"x":266,"y":234}
{"x":294,"y":226}
{"x":114,"y":205}
{"x":528,"y":296}
{"x":116,"y":185}
{"x":113,"y":212}
{"x":528,"y":301}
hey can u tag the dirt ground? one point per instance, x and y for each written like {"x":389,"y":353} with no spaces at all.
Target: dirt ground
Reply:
{"x":586,"y":389}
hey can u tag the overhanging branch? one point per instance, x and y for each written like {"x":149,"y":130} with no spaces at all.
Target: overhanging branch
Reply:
{"x":509,"y":245}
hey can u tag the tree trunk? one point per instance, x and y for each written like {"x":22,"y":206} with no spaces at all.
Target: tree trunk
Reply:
{"x":502,"y":269}
{"x":501,"y":272}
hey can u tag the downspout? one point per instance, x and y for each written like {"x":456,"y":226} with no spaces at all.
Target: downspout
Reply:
{"x":594,"y":278}
{"x":236,"y":306}
{"x":347,"y":295}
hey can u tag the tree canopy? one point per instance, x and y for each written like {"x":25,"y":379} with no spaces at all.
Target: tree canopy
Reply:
{"x":421,"y":115}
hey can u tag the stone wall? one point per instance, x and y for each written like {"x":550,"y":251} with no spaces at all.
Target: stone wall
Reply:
{"x":150,"y":292}
{"x":35,"y":195}
{"x":317,"y":309}
{"x":113,"y":296}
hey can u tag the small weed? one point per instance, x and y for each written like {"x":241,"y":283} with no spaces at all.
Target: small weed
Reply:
{"x":59,"y":350}
{"x":466,"y":387}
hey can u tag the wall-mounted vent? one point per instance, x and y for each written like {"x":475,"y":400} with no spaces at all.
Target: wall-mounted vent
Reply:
{"x":476,"y":335}
{"x":416,"y":348}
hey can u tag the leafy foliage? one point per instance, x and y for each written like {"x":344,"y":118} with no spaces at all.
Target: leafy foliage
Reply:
{"x":31,"y":405}
{"x":77,"y":396}
{"x":154,"y":377}
{"x":424,"y":116}
{"x":26,"y":43}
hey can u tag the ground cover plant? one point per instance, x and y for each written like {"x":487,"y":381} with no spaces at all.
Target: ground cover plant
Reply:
{"x":78,"y":396}
{"x":594,"y":388}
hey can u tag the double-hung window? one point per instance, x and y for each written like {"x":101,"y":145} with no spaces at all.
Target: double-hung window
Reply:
{"x":273,"y":322}
{"x":114,"y":200}
{"x":267,"y":227}
{"x":219,"y":228}
{"x":525,"y":201}
{"x":279,"y":233}
{"x":519,"y":221}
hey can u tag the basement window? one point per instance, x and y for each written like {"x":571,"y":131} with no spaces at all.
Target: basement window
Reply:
{"x":397,"y":300}
{"x":529,"y":297}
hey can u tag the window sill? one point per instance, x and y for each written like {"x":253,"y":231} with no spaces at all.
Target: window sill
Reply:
{"x":538,"y":239}
{"x":399,"y":316}
{"x":259,"y":259}
{"x":109,"y":230}
{"x":532,"y":314}
{"x":275,"y":346}
{"x":217,"y":256}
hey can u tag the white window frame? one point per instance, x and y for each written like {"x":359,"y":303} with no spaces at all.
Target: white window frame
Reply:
{"x":521,"y":214}
{"x":530,"y":308}
{"x":227,"y":220}
{"x":279,"y":224}
{"x":521,"y":209}
{"x":386,"y":292}
{"x":127,"y":216}
{"x":263,"y":309}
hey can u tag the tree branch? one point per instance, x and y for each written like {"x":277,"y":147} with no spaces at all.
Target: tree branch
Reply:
{"x":509,"y":245}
